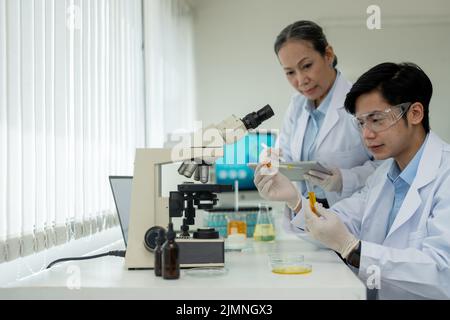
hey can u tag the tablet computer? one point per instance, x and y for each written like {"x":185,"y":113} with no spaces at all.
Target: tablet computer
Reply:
{"x":295,"y":170}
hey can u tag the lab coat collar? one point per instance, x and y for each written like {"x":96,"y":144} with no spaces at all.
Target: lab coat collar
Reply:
{"x":426,"y":173}
{"x":410,"y":171}
{"x":337,"y":102}
{"x":431,"y":159}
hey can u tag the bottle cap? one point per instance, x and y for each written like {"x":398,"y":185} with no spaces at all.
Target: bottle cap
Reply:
{"x":170,"y":233}
{"x":161,"y":237}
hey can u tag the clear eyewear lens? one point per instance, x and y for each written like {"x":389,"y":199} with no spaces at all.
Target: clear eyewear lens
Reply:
{"x":381,"y":120}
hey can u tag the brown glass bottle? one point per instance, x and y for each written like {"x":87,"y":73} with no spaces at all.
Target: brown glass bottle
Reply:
{"x":170,"y":256}
{"x":158,"y":252}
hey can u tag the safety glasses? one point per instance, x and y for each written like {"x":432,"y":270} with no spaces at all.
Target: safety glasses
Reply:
{"x":378,"y":121}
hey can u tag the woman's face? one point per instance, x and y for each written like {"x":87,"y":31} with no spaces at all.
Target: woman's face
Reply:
{"x":307,"y":70}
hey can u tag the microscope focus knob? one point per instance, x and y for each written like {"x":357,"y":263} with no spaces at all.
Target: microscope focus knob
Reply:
{"x":150,"y":237}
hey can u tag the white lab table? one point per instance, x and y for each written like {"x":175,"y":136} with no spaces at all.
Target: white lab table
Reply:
{"x":248,"y":277}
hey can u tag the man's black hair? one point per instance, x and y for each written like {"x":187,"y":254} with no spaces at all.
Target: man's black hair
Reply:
{"x":397,"y":83}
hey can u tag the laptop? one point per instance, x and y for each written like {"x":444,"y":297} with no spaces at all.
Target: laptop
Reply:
{"x":121,"y":190}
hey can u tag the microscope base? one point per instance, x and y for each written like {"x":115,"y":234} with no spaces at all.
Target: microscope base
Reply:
{"x":201,"y":252}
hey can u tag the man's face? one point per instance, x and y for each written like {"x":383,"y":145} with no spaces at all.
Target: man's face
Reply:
{"x":386,"y":143}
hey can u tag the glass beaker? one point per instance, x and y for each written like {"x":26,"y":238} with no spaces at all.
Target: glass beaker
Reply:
{"x":264,"y":229}
{"x":236,"y":223}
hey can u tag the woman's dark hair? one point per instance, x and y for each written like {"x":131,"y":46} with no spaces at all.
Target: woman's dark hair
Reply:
{"x":306,"y":31}
{"x":397,"y":83}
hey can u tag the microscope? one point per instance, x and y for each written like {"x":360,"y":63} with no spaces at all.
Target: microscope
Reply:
{"x":150,"y":211}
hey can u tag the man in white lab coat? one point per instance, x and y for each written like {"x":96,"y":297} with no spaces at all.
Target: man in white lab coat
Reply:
{"x":397,"y":227}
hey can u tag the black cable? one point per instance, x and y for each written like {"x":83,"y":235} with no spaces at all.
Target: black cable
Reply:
{"x":116,"y":253}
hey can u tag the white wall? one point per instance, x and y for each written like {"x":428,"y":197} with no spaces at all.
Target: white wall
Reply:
{"x":237,"y":70}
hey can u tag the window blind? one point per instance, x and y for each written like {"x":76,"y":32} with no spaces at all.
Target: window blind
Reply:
{"x":71,"y":114}
{"x":169,"y":69}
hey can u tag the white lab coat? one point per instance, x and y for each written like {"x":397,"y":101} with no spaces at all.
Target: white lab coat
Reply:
{"x":339,"y":143}
{"x":414,"y":257}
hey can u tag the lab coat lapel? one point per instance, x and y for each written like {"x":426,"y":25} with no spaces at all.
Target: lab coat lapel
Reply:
{"x":300,"y":134}
{"x":409,"y":206}
{"x":377,"y":211}
{"x":332,"y":116}
{"x":426,"y":173}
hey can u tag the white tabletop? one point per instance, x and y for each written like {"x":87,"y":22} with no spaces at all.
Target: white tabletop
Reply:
{"x":248,"y":277}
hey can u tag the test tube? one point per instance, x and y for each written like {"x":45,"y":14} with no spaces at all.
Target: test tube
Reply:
{"x":312,"y":202}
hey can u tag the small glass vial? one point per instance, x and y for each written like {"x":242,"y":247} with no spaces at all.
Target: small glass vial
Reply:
{"x":236,"y":230}
{"x":237,"y":223}
{"x":158,"y":252}
{"x":170,"y":256}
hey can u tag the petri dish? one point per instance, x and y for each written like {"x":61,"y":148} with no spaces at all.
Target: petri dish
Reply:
{"x":207,"y":272}
{"x":289,"y":263}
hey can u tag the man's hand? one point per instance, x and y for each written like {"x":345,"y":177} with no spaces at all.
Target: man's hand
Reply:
{"x":330,"y":230}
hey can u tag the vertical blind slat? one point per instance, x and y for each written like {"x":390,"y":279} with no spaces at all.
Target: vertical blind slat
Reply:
{"x":40,"y":121}
{"x":49,"y":111}
{"x":121,"y":80}
{"x":103,"y":175}
{"x":112,"y":85}
{"x":3,"y":121}
{"x":116,"y":137}
{"x":71,"y":16}
{"x":86,"y":18}
{"x":107,"y":163}
{"x":28,"y":115}
{"x":60,"y":113}
{"x":140,"y":86}
{"x":78,"y":110}
{"x":14,"y":106}
{"x":94,"y":105}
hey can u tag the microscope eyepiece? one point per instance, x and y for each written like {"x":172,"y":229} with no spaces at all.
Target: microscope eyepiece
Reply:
{"x":265,"y":113}
{"x":254,"y":119}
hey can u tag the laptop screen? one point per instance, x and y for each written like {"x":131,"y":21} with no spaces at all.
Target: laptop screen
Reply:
{"x":121,"y":190}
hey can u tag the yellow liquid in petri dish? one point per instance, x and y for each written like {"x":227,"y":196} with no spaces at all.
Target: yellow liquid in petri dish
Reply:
{"x":292,"y":269}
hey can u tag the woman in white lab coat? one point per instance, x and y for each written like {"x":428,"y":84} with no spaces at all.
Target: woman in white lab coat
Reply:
{"x":316,"y":125}
{"x":396,"y":230}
